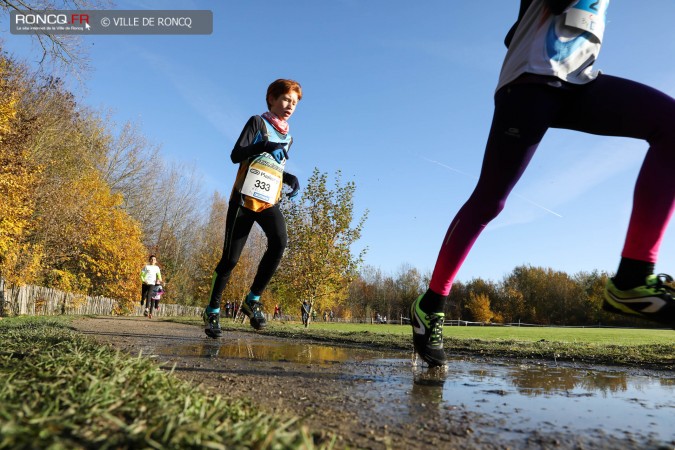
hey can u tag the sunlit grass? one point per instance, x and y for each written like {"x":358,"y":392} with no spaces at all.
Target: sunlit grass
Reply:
{"x":60,"y":390}
{"x":624,"y":336}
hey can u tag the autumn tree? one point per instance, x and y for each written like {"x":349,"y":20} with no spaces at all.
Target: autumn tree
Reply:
{"x":111,"y":245}
{"x":19,"y":260}
{"x":133,"y":168}
{"x":409,"y":285}
{"x":366,"y":293}
{"x":66,"y":224}
{"x":479,"y":307}
{"x":319,"y":264}
{"x":177,"y":210}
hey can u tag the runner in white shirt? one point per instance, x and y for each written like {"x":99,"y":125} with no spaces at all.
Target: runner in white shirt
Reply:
{"x":150,"y":276}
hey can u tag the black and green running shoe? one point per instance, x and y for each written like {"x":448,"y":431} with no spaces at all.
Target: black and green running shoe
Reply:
{"x":427,"y":334}
{"x":212,"y":324}
{"x":655,"y":300}
{"x":253,"y":309}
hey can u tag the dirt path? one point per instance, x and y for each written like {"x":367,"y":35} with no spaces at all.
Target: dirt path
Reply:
{"x":334,"y":398}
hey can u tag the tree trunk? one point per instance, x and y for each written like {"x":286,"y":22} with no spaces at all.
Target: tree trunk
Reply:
{"x":2,"y":297}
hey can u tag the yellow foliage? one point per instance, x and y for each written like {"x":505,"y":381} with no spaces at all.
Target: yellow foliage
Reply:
{"x":112,"y":245}
{"x":19,"y":260}
{"x":479,"y":306}
{"x":8,"y":100}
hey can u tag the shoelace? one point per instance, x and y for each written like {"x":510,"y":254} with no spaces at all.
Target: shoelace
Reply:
{"x":436,"y":325}
{"x":256,"y":309}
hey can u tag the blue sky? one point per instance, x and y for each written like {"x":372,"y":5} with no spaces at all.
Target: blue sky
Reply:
{"x":398,"y":96}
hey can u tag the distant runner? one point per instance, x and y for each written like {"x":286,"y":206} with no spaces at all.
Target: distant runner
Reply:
{"x":150,"y":276}
{"x":157,"y":293}
{"x":261,"y":152}
{"x":547,"y":81}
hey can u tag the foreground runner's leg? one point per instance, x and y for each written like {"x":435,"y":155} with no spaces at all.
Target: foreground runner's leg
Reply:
{"x":237,"y":228}
{"x":517,"y":128}
{"x":615,"y":106}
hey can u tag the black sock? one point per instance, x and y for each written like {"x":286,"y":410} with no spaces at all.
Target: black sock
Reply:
{"x":632,"y":273}
{"x":433,"y":302}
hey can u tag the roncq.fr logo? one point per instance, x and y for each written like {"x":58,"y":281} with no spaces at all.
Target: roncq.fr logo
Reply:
{"x":36,"y":18}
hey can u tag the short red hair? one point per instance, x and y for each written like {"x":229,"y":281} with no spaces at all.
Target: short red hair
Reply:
{"x":280,"y":87}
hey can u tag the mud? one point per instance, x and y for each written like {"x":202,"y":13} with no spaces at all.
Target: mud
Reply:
{"x":383,"y":399}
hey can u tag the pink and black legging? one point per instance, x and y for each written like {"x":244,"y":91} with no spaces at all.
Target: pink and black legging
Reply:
{"x":608,"y":106}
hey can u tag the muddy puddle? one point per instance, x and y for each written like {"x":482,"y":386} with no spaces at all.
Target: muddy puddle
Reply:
{"x":512,"y":398}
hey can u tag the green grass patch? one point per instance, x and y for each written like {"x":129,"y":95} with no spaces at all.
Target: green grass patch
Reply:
{"x":61,"y":390}
{"x":646,"y":348}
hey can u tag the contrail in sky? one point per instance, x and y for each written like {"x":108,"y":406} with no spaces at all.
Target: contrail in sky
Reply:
{"x":475,"y":178}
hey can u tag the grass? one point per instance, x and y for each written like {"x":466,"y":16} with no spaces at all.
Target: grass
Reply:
{"x":60,"y":390}
{"x":645,"y":348}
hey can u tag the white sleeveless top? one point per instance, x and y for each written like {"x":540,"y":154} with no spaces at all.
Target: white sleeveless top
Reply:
{"x":564,"y":46}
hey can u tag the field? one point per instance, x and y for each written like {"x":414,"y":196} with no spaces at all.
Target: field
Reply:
{"x":616,"y":336}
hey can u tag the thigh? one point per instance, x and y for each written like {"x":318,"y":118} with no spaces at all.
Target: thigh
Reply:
{"x":523,"y":114}
{"x":613,"y":106}
{"x":238,"y":224}
{"x":273,"y":224}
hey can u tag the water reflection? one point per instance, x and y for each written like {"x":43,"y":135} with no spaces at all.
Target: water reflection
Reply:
{"x":535,"y":395}
{"x":528,"y":379}
{"x":427,"y":387}
{"x":271,"y":351}
{"x":540,"y":380}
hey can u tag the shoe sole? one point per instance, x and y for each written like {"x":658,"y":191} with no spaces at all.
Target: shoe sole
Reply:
{"x":257,"y":325}
{"x":213,"y":335}
{"x":607,"y":306}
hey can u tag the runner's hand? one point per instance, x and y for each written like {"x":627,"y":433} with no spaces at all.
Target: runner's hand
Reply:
{"x":292,"y":182}
{"x":277,"y":150}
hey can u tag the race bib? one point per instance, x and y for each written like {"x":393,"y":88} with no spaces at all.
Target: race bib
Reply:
{"x":588,"y":15}
{"x":263,"y":179}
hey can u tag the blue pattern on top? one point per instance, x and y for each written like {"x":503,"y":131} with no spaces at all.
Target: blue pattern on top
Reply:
{"x":558,"y":50}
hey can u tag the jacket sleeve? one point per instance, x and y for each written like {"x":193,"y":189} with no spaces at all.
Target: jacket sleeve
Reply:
{"x":244,"y":148}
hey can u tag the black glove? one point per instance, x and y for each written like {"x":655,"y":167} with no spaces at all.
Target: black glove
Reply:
{"x":292,"y":182}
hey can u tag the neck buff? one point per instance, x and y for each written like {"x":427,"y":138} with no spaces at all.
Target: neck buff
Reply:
{"x":279,"y":124}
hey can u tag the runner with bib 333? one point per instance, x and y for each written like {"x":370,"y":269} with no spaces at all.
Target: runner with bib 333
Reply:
{"x":261,"y":152}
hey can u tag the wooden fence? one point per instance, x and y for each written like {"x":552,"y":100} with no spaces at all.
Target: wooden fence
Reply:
{"x":42,"y":301}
